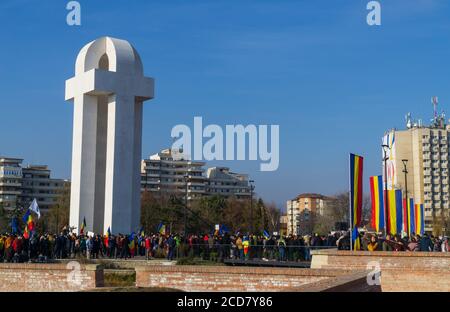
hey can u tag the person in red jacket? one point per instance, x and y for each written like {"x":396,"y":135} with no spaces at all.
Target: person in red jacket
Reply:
{"x":148,"y":248}
{"x":17,"y":245}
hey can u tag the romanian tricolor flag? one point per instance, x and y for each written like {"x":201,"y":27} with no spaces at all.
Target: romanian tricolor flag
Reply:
{"x":408,"y":216}
{"x":131,"y":244}
{"x":107,"y":236}
{"x":376,"y":193}
{"x":28,"y":220}
{"x":356,"y":189}
{"x":420,"y":222}
{"x":83,"y":226}
{"x":395,"y":212}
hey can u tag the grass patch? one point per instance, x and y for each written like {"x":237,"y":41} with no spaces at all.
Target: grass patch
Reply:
{"x":122,"y":279}
{"x":197,"y":261}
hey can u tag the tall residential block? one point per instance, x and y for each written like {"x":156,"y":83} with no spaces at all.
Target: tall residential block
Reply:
{"x":425,"y":151}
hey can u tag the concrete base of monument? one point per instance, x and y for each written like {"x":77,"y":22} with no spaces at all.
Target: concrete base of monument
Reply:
{"x":400,"y":271}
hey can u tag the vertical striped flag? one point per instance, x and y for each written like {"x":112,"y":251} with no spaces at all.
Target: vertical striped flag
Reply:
{"x":407,"y":204}
{"x":420,"y":222}
{"x":376,"y":192}
{"x":356,"y":189}
{"x":83,"y":226}
{"x":395,"y":213}
{"x":411,"y":217}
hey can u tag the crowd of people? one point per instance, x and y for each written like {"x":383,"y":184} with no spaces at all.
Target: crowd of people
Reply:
{"x":415,"y":242}
{"x":214,"y":247}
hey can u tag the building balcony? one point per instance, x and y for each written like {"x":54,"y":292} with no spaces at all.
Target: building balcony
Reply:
{"x":9,"y":192}
{"x":8,"y":184}
{"x":196,"y":184}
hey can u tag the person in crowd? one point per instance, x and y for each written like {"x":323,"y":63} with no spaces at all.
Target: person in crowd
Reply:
{"x":373,"y":244}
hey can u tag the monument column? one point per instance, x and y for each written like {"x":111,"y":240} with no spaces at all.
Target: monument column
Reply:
{"x":86,"y":148}
{"x":120,"y":165}
{"x":108,"y":90}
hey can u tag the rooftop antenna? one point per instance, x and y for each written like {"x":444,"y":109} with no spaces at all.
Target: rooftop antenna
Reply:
{"x":435,"y":102}
{"x":408,"y":119}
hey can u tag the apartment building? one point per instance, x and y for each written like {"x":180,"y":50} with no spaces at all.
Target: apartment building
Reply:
{"x":301,"y":210}
{"x":425,"y":152}
{"x":173,"y":173}
{"x":221,"y":181}
{"x":10,"y":181}
{"x":20,"y":185}
{"x":37,"y":183}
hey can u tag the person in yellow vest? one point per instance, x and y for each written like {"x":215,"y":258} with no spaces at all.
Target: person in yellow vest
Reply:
{"x":246,"y":244}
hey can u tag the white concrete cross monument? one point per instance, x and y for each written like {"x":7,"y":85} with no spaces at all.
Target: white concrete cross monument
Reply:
{"x":108,"y":92}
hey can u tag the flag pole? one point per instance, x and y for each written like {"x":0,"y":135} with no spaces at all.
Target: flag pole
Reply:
{"x":350,"y":199}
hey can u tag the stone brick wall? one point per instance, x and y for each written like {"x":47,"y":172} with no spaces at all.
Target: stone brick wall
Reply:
{"x":400,"y":271}
{"x":49,"y":277}
{"x":224,"y":278}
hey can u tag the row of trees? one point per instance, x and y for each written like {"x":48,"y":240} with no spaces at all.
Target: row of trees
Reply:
{"x":204,"y":213}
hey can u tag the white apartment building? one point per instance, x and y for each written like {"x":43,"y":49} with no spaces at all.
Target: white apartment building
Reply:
{"x":164,"y":173}
{"x":10,"y":181}
{"x":167,"y":173}
{"x":22,"y":184}
{"x":221,"y":181}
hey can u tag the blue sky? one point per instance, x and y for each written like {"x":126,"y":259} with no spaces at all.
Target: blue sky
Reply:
{"x":331,"y":82}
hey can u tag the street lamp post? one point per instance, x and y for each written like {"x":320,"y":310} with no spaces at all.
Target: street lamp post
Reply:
{"x":146,"y":177}
{"x":186,"y":177}
{"x":386,"y":202}
{"x":252,"y":187}
{"x":405,"y":171}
